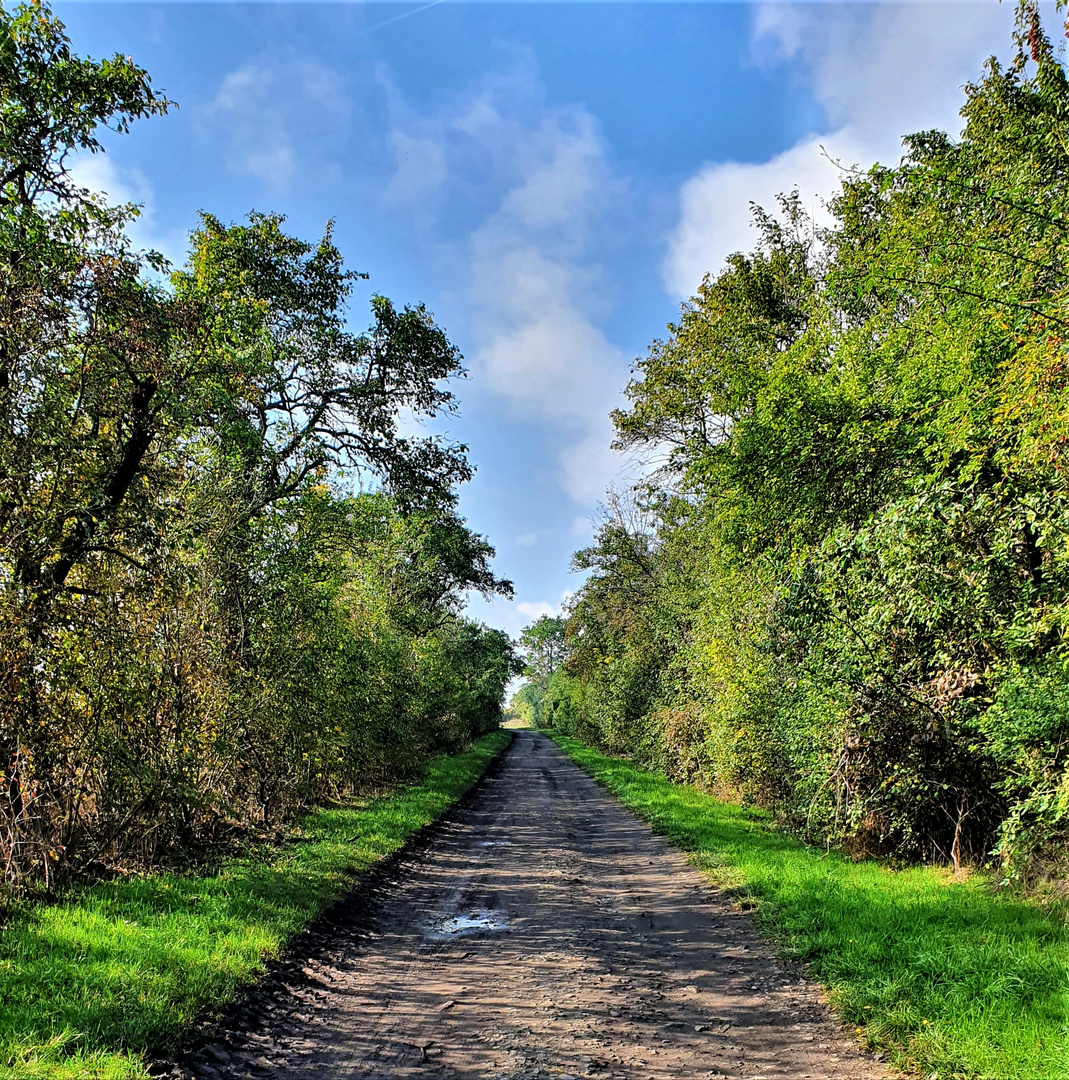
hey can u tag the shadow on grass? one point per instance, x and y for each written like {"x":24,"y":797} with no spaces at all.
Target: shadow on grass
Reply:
{"x":950,"y":976}
{"x":116,"y":969}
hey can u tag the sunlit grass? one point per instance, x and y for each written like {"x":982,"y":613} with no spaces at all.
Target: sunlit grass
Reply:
{"x":950,"y":977}
{"x":113,"y":971}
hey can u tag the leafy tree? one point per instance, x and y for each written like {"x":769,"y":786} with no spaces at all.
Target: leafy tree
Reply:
{"x":543,"y":646}
{"x":850,"y":600}
{"x":203,"y":629}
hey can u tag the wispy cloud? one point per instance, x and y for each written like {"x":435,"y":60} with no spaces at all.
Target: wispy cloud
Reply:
{"x":534,"y":291}
{"x":583,"y":528}
{"x":265,"y":109}
{"x":420,"y":169}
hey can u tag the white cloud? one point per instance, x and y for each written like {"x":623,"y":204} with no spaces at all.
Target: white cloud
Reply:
{"x":878,"y":70}
{"x":263,"y":108}
{"x":532,"y":610}
{"x":551,"y":365}
{"x":583,"y":528}
{"x":510,"y":616}
{"x":257,"y":142}
{"x":420,"y":169}
{"x":534,"y":297}
{"x":715,"y":218}
{"x":885,"y":69}
{"x":543,"y":181}
{"x":101,"y":174}
{"x":568,"y":175}
{"x":513,"y":615}
{"x":526,"y":540}
{"x":589,"y":465}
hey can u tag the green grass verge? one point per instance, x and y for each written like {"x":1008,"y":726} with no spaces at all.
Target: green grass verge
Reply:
{"x":111,"y":972}
{"x":952,"y":978}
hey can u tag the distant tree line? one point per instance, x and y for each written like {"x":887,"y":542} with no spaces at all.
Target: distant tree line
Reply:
{"x":844,"y":595}
{"x":206,"y":623}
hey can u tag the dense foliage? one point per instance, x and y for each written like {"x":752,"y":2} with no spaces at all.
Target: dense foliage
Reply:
{"x":845,"y":594}
{"x":204,"y":622}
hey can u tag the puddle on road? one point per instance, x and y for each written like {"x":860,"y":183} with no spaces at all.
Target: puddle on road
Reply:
{"x":472,"y":922}
{"x":492,"y":843}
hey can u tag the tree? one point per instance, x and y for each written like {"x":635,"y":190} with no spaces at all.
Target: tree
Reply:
{"x":544,"y":647}
{"x":202,"y":628}
{"x":853,"y":601}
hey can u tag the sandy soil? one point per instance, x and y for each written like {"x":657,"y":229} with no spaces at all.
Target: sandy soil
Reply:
{"x":544,"y":932}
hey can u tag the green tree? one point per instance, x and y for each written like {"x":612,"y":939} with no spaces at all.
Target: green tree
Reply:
{"x":544,"y":647}
{"x":201,"y":626}
{"x":851,"y":601}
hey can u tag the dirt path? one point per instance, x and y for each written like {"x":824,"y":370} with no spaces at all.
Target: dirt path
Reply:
{"x":547,"y":933}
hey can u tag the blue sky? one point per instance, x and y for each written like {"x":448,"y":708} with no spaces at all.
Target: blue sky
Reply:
{"x":551,"y":179}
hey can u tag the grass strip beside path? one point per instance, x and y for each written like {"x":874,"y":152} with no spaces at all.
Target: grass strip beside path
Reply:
{"x":113,"y":971}
{"x":952,"y":978}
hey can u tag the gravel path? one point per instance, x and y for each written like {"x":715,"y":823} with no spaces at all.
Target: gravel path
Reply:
{"x":547,"y":932}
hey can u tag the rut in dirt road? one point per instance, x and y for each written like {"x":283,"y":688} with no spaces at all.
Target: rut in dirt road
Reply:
{"x":547,"y":933}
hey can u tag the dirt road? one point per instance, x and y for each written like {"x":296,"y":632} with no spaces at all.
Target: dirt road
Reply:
{"x":546,"y":933}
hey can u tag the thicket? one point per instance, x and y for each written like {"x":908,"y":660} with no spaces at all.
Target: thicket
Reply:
{"x":230,"y":587}
{"x":543,"y":647}
{"x":844,"y":594}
